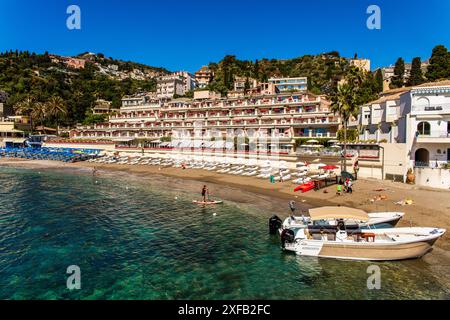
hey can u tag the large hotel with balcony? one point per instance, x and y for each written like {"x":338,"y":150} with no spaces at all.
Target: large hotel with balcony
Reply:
{"x":284,"y":116}
{"x":415,"y":122}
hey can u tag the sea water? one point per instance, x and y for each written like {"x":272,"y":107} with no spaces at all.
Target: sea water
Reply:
{"x":141,"y":239}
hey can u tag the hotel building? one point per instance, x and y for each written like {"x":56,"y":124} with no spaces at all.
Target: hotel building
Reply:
{"x":283,"y":116}
{"x":417,"y":122}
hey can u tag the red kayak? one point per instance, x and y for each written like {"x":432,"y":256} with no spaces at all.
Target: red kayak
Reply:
{"x":305,"y":187}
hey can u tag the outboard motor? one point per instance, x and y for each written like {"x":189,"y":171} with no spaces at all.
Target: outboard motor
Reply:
{"x":287,"y":236}
{"x":274,"y":224}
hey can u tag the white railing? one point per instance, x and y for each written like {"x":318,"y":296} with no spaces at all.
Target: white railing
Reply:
{"x":435,"y":134}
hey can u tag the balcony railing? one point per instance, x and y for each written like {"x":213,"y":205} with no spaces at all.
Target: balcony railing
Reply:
{"x":435,"y":134}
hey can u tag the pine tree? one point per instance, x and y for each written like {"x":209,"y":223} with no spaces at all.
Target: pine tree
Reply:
{"x":398,"y":80}
{"x":439,"y":67}
{"x":379,"y":80}
{"x":256,"y":74}
{"x":416,"y":75}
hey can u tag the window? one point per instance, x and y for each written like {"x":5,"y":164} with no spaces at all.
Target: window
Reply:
{"x":423,"y":128}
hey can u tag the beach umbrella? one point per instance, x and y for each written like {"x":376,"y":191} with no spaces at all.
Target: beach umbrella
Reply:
{"x":312,"y":141}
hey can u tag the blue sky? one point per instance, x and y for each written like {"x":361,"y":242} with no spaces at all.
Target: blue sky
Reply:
{"x":184,"y":35}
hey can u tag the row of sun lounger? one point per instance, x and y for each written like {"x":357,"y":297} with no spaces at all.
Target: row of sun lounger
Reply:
{"x":299,"y":175}
{"x":64,"y":155}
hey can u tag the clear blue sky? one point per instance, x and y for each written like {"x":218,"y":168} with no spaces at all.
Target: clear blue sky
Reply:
{"x":187,"y":34}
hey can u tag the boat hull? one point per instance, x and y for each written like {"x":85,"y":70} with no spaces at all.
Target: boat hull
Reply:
{"x":374,"y":253}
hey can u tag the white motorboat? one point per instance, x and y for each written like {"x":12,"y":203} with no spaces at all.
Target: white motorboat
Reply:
{"x":346,"y":240}
{"x":354,"y":218}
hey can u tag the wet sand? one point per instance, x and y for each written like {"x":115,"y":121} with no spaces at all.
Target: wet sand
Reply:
{"x":431,"y":207}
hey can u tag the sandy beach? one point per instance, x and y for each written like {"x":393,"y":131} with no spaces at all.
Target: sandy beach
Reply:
{"x":430,"y":207}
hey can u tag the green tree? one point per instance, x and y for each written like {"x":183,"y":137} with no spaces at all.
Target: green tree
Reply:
{"x":439,"y":67}
{"x":379,"y":81}
{"x":26,"y":107}
{"x":94,"y":119}
{"x":56,"y":107}
{"x":416,"y":75}
{"x":398,"y":80}
{"x":39,"y":112}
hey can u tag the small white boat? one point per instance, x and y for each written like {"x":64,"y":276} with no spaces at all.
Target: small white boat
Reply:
{"x":375,"y":220}
{"x":345,"y":240}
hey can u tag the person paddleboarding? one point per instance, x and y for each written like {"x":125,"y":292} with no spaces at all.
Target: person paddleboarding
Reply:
{"x":205,"y":193}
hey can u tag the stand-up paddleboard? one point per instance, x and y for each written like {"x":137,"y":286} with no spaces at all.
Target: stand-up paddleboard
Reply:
{"x":207,"y":202}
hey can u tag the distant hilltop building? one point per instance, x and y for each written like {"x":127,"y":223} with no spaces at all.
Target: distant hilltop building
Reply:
{"x":70,"y":62}
{"x":289,"y":84}
{"x":75,"y":63}
{"x":204,"y":76}
{"x":243,"y":86}
{"x":189,"y":80}
{"x":363,"y":64}
{"x":103,"y":107}
{"x":388,"y":73}
{"x":169,"y":86}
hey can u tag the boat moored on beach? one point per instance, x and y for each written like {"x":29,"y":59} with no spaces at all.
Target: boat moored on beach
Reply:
{"x":352,"y":217}
{"x":350,"y":242}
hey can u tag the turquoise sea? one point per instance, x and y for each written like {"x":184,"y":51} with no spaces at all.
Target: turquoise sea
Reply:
{"x":144,"y":239}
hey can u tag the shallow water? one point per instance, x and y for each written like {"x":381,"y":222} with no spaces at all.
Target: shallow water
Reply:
{"x":144,"y":239}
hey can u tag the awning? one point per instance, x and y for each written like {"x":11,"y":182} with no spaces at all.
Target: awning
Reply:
{"x":328,"y":213}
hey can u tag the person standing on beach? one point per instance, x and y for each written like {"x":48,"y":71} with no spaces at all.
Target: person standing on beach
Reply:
{"x":281,"y":175}
{"x":350,"y":186}
{"x":292,"y":207}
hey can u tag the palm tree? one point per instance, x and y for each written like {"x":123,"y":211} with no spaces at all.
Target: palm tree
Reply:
{"x":26,"y":107}
{"x":345,"y":104}
{"x":56,"y":107}
{"x":39,"y":112}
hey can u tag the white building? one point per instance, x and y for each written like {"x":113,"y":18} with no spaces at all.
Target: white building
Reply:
{"x":189,"y":81}
{"x":417,"y":120}
{"x":290,"y":84}
{"x":428,"y":124}
{"x":169,"y":86}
